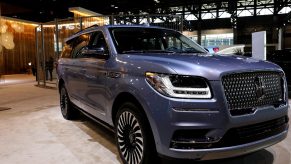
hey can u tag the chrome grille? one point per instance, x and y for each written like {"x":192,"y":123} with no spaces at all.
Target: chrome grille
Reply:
{"x":246,"y":91}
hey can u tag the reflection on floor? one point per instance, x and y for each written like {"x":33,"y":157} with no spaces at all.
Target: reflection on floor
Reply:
{"x":26,"y":78}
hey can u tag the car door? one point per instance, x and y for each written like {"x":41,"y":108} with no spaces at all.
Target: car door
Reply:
{"x":75,"y":70}
{"x":95,"y":75}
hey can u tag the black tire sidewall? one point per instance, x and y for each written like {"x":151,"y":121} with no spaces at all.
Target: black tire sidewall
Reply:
{"x":71,"y":113}
{"x":64,"y":93}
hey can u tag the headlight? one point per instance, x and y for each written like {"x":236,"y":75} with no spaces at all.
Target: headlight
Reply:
{"x":179,"y":86}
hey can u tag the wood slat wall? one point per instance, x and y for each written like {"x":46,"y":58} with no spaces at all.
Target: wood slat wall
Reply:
{"x":16,"y":60}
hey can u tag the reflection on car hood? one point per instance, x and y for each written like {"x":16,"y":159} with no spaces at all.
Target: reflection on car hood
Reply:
{"x":211,"y":66}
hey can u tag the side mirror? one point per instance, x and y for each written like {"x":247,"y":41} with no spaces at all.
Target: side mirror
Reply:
{"x":99,"y":53}
{"x":206,"y":49}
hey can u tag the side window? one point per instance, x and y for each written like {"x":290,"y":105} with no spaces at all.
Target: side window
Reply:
{"x":66,"y":52}
{"x":98,"y":41}
{"x":78,"y":44}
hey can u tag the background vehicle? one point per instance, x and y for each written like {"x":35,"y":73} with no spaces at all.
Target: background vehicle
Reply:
{"x":235,"y":49}
{"x":212,"y":49}
{"x":164,"y":94}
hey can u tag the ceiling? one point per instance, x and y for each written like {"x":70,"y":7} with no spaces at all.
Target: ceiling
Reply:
{"x":47,"y":10}
{"x":40,"y":10}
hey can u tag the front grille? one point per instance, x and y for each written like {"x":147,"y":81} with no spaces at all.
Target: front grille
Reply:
{"x":246,"y":91}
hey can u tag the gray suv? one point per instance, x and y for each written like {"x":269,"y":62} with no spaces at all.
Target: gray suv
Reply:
{"x":164,"y":94}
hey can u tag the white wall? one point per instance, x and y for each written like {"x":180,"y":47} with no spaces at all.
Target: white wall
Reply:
{"x":259,"y":45}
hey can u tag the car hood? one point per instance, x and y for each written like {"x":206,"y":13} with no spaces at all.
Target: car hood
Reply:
{"x":209,"y":66}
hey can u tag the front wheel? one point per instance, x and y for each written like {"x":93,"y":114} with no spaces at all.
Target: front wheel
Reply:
{"x":133,"y":136}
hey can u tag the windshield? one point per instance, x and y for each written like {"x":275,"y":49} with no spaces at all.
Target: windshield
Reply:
{"x":142,"y":40}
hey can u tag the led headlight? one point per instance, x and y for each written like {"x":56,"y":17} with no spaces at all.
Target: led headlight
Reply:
{"x":180,"y":86}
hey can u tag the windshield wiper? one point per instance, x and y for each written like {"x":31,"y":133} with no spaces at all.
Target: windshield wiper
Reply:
{"x":188,"y":51}
{"x":191,"y":50}
{"x":160,"y":51}
{"x":133,"y":51}
{"x":148,"y":51}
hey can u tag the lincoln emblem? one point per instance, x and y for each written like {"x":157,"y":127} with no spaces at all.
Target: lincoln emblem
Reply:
{"x":260,"y":87}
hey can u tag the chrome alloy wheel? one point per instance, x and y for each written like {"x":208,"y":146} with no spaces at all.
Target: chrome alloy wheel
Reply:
{"x":130,"y":138}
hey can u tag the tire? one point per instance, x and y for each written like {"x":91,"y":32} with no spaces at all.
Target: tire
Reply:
{"x":67,"y":109}
{"x":134,"y":139}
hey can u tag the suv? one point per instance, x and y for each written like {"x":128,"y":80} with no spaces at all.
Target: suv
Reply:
{"x":164,"y":94}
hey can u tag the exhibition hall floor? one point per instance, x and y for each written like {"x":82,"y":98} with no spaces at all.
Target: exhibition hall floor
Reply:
{"x":32,"y":130}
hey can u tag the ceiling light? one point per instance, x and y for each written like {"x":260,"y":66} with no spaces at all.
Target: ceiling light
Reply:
{"x":83,"y":12}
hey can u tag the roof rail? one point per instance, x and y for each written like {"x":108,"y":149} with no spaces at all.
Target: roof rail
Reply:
{"x":95,"y":25}
{"x":87,"y":28}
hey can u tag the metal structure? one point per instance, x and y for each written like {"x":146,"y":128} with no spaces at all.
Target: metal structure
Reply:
{"x":198,"y":12}
{"x":197,"y":9}
{"x":212,"y":14}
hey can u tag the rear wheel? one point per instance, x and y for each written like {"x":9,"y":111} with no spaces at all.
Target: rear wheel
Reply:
{"x":133,"y":136}
{"x":67,"y":109}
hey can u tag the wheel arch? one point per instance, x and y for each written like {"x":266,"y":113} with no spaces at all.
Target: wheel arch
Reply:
{"x":120,"y":99}
{"x":123,"y":97}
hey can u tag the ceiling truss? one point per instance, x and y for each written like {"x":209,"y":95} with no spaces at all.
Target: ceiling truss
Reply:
{"x":232,"y":9}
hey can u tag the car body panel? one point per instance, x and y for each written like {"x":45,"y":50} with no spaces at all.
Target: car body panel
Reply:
{"x":93,"y":85}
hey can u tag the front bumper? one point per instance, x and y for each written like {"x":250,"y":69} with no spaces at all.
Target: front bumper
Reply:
{"x":211,"y":119}
{"x":225,"y":152}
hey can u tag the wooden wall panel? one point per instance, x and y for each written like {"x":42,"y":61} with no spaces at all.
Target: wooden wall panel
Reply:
{"x":16,"y":60}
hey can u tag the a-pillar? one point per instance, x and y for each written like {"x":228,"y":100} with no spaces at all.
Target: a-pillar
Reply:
{"x":199,"y":39}
{"x":280,"y":39}
{"x":235,"y":41}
